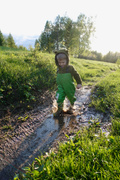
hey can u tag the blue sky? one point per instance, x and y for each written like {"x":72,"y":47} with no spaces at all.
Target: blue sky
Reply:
{"x":28,"y":18}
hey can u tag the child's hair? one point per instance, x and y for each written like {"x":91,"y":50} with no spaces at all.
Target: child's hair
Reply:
{"x":59,"y":54}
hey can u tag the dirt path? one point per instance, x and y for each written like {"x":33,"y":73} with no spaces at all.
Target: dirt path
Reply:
{"x":41,"y":131}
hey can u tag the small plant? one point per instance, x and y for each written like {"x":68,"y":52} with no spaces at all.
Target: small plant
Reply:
{"x":23,"y":119}
{"x":94,"y":127}
{"x":6,"y":127}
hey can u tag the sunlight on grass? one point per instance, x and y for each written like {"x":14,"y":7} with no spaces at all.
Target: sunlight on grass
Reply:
{"x":107,"y":97}
{"x":23,"y":74}
{"x":92,"y":71}
{"x":80,"y":158}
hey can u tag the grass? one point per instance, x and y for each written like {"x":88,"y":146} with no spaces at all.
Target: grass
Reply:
{"x":25,"y":74}
{"x":107,"y":97}
{"x":108,"y":93}
{"x":92,"y":71}
{"x":85,"y":157}
{"x":22,"y":74}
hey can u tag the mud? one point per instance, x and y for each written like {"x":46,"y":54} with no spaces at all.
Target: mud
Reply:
{"x":42,"y":132}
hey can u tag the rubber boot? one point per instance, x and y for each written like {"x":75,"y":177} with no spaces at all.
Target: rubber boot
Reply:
{"x":70,"y":110}
{"x":59,"y":112}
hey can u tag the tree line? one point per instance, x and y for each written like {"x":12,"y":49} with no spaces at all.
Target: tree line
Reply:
{"x":72,"y":35}
{"x":8,"y":41}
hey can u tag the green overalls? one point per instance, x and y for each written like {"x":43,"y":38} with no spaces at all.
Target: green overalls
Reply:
{"x":66,"y":88}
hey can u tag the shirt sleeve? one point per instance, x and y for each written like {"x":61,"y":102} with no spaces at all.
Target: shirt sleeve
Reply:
{"x":76,"y":75}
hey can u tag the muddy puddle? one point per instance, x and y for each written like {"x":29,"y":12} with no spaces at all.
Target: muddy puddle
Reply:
{"x":41,"y":139}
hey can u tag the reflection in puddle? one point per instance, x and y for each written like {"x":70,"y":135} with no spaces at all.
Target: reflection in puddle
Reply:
{"x":40,"y":141}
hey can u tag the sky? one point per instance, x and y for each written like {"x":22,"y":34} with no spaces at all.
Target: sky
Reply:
{"x":28,"y":18}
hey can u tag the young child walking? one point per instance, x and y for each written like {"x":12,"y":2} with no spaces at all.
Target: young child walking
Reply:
{"x":65,"y":75}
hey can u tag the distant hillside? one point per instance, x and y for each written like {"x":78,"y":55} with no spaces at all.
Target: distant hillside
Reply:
{"x":25,"y":41}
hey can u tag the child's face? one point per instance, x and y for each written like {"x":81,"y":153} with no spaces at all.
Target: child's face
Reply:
{"x":61,"y":58}
{"x":62,"y":62}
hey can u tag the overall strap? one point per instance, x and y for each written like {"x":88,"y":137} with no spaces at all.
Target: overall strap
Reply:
{"x":67,"y":69}
{"x":57,"y":70}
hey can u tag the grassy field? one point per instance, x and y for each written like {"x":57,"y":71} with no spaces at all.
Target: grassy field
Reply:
{"x":107,"y":97}
{"x":92,"y":71}
{"x":25,"y":74}
{"x":87,"y":156}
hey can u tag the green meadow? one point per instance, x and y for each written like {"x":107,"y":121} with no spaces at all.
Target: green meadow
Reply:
{"x":87,"y":156}
{"x":26,"y":74}
{"x":23,"y":74}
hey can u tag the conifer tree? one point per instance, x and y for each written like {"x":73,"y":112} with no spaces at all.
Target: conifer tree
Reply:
{"x":1,"y":39}
{"x":11,"y":42}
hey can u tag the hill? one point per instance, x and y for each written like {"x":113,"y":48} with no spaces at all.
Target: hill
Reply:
{"x":25,"y":41}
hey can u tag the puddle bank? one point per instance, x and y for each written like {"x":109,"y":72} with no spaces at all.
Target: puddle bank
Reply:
{"x":39,"y":138}
{"x":85,"y":116}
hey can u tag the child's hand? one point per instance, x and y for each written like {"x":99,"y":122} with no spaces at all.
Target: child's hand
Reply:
{"x":79,"y":86}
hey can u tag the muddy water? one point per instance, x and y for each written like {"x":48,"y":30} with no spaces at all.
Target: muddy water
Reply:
{"x":40,"y":140}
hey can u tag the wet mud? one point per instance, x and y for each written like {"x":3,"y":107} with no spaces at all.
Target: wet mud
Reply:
{"x":37,"y":137}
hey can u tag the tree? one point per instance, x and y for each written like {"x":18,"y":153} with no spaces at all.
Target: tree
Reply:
{"x":45,"y":38}
{"x":22,"y":47}
{"x":58,"y":31}
{"x":74,"y":36}
{"x":37,"y":45}
{"x":111,"y":57}
{"x":68,"y":33}
{"x":1,"y":39}
{"x":97,"y":55}
{"x":85,"y":29}
{"x":10,"y":41}
{"x":36,"y":42}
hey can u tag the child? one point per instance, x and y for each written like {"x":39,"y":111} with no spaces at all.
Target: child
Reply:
{"x":66,"y":87}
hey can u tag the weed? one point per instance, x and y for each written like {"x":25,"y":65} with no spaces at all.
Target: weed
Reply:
{"x":23,"y":119}
{"x":6,"y":127}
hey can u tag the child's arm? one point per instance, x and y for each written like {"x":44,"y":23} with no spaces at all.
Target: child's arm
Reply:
{"x":76,"y":77}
